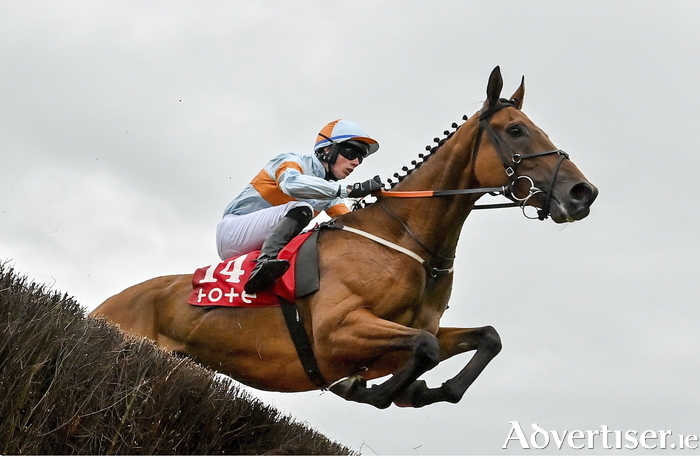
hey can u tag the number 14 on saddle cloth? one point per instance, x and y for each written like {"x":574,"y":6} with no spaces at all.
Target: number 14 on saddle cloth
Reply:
{"x":222,"y":284}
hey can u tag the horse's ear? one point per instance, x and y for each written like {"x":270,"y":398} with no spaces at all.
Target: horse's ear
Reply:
{"x":519,"y":95}
{"x":493,"y":90}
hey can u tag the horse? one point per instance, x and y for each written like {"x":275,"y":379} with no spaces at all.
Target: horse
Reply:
{"x":385,"y":281}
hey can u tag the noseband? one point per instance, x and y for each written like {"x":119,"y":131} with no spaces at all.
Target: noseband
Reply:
{"x":510,"y":163}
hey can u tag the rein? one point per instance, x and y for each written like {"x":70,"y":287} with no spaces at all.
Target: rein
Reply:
{"x":510,"y":165}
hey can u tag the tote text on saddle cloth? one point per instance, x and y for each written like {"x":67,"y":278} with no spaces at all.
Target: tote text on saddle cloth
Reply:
{"x":222,"y":284}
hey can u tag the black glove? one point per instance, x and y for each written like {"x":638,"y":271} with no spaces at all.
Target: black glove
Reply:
{"x":362,"y":189}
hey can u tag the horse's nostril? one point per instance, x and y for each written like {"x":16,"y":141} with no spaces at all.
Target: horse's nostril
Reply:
{"x":582,"y":192}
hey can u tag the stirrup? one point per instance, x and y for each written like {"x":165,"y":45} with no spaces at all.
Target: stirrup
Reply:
{"x":265,"y":273}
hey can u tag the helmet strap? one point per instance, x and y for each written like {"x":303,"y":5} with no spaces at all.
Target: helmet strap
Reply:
{"x":332,"y":153}
{"x":329,"y":175}
{"x":328,"y":158}
{"x":329,"y":155}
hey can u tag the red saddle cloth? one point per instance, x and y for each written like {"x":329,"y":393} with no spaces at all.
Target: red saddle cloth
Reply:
{"x":222,"y":284}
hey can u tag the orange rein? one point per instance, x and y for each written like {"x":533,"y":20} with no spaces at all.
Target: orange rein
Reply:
{"x":407,"y":194}
{"x":495,"y":191}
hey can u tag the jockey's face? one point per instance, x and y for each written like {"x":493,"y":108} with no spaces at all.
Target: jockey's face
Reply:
{"x":344,"y":167}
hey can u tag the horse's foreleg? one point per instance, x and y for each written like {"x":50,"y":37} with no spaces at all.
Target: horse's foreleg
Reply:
{"x":371,"y":336}
{"x":453,"y":341}
{"x":425,"y":355}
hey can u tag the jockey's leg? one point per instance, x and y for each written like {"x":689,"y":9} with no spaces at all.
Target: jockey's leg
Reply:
{"x":268,"y":268}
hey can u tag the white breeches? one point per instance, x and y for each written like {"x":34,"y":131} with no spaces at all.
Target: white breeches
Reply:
{"x":240,"y":234}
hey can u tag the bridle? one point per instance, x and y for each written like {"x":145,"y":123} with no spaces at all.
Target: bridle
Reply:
{"x":510,"y":161}
{"x":510,"y":164}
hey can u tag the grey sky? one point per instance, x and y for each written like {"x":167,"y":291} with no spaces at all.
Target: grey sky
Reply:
{"x":126,"y":128}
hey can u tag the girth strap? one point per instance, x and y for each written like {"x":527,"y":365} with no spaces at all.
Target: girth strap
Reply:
{"x":301,"y":342}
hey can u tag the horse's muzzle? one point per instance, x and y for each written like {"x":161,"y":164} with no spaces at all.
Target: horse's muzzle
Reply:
{"x":575,"y":204}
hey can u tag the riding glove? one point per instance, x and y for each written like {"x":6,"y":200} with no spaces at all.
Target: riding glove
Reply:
{"x":362,"y":189}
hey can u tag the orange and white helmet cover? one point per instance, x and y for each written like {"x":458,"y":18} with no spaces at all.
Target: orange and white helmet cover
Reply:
{"x":341,"y":130}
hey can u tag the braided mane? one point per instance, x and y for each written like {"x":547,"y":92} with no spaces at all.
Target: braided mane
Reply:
{"x":416,"y":163}
{"x":422,"y":157}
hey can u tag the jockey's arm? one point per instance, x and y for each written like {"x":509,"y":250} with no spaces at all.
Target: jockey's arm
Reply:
{"x":301,"y":186}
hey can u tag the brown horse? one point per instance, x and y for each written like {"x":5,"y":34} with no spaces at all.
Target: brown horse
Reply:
{"x":383,"y":288}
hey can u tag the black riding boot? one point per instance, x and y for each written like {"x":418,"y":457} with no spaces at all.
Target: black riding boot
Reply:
{"x":268,"y":268}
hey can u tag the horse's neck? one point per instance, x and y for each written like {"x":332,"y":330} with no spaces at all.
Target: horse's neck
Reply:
{"x":435,"y":221}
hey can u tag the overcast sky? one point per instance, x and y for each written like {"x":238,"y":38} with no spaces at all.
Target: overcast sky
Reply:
{"x":126,"y":127}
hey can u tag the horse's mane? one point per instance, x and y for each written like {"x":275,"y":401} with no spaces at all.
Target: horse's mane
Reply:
{"x":415,"y":164}
{"x":422,"y":157}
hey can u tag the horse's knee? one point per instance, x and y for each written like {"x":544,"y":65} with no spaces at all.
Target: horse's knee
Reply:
{"x":427,"y":350}
{"x":490,"y":340}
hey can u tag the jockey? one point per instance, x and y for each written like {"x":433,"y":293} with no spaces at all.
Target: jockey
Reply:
{"x":287,"y":193}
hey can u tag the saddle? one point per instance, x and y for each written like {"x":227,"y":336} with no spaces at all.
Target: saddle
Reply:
{"x":222,"y":284}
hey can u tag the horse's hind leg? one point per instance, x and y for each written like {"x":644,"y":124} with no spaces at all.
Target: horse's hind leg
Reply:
{"x":484,"y":340}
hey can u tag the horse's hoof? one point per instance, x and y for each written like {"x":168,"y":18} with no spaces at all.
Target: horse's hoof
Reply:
{"x":348,"y":386}
{"x":407,"y":398}
{"x":354,"y":389}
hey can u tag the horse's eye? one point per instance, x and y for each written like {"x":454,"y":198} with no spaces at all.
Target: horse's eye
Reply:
{"x":516,"y":131}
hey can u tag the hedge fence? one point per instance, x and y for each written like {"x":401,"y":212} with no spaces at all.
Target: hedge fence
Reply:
{"x":75,"y":385}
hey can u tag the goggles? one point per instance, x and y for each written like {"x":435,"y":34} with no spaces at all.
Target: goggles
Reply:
{"x":352,"y":150}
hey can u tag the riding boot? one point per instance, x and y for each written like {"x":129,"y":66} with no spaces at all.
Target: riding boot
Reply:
{"x":268,"y":268}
